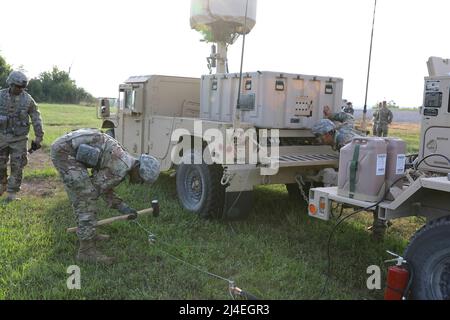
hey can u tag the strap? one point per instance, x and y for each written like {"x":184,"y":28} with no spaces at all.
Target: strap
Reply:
{"x":353,"y":170}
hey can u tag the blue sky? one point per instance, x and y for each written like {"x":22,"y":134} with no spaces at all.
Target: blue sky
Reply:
{"x":107,"y":41}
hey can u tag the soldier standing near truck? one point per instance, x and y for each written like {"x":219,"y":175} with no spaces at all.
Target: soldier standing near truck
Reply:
{"x":384,"y":119}
{"x":16,"y":109}
{"x":76,"y":152}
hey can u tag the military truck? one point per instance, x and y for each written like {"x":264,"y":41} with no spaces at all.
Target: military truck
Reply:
{"x":424,"y":191}
{"x":268,"y":113}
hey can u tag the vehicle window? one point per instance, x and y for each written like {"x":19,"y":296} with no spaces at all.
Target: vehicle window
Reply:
{"x":130,"y":99}
{"x":121,"y":101}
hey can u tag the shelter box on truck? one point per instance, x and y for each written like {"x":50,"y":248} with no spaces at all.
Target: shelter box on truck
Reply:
{"x":269,"y":99}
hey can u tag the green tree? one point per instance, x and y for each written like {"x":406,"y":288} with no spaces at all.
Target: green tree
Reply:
{"x":57,"y":87}
{"x":5,"y":70}
{"x":51,"y":86}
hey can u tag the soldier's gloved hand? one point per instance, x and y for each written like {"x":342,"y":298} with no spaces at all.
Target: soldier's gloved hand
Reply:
{"x":125,"y":209}
{"x":36,"y":143}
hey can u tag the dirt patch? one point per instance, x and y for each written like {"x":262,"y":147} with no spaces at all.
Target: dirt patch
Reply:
{"x":40,"y":186}
{"x":39,"y":160}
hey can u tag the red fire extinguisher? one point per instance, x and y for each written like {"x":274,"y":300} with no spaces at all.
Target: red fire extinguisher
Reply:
{"x":397,"y":279}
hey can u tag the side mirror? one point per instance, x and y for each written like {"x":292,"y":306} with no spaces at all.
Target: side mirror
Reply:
{"x":105,"y":111}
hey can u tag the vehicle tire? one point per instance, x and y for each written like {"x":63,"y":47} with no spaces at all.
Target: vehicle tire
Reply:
{"x":428,"y":255}
{"x":110,"y":132}
{"x":199,"y":189}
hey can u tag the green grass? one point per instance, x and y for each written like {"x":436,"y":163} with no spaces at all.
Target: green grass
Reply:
{"x":409,"y":133}
{"x":277,"y":253}
{"x":60,"y":119}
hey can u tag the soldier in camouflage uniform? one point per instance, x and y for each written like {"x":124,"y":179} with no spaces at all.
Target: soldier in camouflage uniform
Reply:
{"x":348,"y":108}
{"x":16,"y":109}
{"x":72,"y":155}
{"x":384,"y":118}
{"x":375,"y":120}
{"x":339,"y":118}
{"x":327,"y":132}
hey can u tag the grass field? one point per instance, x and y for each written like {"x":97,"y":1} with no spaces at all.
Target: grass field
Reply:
{"x":277,"y":253}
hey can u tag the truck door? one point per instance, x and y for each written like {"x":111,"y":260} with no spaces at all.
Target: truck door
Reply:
{"x":130,"y":130}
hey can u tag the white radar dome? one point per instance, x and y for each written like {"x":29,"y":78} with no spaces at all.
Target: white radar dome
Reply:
{"x":222,"y":20}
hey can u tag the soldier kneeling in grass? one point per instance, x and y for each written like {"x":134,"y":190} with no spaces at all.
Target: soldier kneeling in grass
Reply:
{"x":72,"y":155}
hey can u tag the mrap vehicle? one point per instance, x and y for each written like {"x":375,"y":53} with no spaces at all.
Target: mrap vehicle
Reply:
{"x":423,"y":189}
{"x":271,"y":113}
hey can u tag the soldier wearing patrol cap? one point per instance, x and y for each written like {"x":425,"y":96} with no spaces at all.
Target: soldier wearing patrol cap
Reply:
{"x":327,"y":133}
{"x":72,"y":155}
{"x":16,"y":109}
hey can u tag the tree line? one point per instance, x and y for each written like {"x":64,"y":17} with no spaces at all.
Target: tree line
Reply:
{"x":54,"y":86}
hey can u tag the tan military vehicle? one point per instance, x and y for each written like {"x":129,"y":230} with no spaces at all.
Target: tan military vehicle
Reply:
{"x":268,"y":113}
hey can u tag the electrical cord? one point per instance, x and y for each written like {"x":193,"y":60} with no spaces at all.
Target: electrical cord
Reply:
{"x":431,"y":155}
{"x":232,"y":289}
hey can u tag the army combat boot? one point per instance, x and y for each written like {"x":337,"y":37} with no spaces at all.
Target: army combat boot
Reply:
{"x":89,"y":253}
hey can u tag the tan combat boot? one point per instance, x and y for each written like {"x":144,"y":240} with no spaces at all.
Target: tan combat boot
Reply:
{"x":88,"y":253}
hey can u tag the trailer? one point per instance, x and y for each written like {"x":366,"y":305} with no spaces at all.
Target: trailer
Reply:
{"x":424,"y":191}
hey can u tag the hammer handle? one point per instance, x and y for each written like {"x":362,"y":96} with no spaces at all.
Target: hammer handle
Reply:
{"x":113,"y":219}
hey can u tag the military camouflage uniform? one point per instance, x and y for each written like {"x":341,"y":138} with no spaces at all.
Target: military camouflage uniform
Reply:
{"x":375,"y":122}
{"x":15,"y":113}
{"x":343,"y":136}
{"x":384,"y":119}
{"x":83,"y":190}
{"x":342,"y":119}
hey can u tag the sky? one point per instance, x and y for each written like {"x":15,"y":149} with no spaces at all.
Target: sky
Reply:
{"x":103,"y":42}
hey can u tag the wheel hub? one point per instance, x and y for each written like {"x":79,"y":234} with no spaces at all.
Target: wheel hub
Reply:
{"x":444,"y":283}
{"x":194,"y":185}
{"x":440,"y":278}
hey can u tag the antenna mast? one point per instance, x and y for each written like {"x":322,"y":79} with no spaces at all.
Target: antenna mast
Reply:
{"x":364,"y":124}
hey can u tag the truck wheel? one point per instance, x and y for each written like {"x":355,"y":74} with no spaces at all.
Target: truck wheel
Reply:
{"x":429,"y":255}
{"x":199,"y":189}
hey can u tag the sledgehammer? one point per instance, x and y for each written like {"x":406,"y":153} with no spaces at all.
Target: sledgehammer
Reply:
{"x":154,"y":209}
